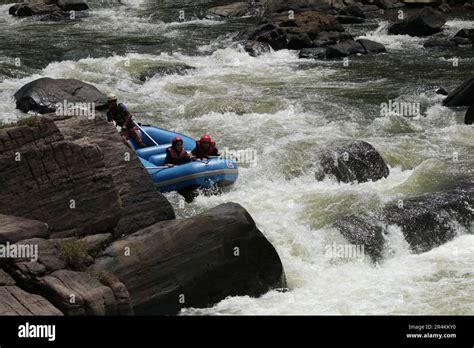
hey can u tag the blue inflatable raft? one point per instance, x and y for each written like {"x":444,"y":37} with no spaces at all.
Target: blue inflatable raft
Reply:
{"x":206,"y":174}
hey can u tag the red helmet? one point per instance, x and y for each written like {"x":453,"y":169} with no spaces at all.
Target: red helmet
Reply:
{"x":206,"y":139}
{"x":175,"y":140}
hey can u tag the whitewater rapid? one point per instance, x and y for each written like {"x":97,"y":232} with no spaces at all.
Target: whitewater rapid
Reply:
{"x":286,"y":109}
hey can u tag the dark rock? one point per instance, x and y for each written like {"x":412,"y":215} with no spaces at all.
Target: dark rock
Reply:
{"x":461,"y":41}
{"x":72,"y":5}
{"x":426,"y":221}
{"x":222,"y":244}
{"x":349,"y":20}
{"x":466,"y":34}
{"x":13,"y":9}
{"x":34,"y":9}
{"x":441,"y":90}
{"x":237,"y":9}
{"x":255,"y":48}
{"x":430,"y":220}
{"x":372,"y":47}
{"x":61,"y":183}
{"x":369,"y":8}
{"x":313,"y":53}
{"x":14,"y":229}
{"x":384,"y":4}
{"x":469,"y":118}
{"x":353,"y":11}
{"x":165,"y":69}
{"x":141,"y":204}
{"x":355,"y":162}
{"x":461,"y":96}
{"x":15,"y":301}
{"x":327,"y":38}
{"x":358,"y":231}
{"x":468,"y":7}
{"x":425,"y":22}
{"x":344,"y":49}
{"x":435,"y":42}
{"x":44,"y":94}
{"x":444,"y":7}
{"x":282,"y":33}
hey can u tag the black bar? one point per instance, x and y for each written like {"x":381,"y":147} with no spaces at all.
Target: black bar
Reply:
{"x":251,"y":329}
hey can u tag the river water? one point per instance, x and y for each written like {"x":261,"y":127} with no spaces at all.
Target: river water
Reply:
{"x":285,"y":110}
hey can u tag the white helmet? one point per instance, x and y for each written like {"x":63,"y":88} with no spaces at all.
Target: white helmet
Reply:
{"x":111,"y":97}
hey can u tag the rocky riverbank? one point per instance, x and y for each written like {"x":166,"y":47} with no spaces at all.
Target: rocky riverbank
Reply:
{"x":107,"y":242}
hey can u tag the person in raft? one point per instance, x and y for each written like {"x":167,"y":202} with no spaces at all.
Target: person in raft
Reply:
{"x":205,"y":147}
{"x":175,"y":154}
{"x":119,"y":113}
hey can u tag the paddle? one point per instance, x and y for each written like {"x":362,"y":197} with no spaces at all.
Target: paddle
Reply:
{"x":143,"y":131}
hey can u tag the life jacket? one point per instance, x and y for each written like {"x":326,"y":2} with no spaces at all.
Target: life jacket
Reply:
{"x":201,"y":153}
{"x":175,"y":156}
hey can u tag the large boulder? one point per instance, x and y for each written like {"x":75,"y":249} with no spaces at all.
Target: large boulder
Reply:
{"x":425,"y":22}
{"x":284,"y":33}
{"x":355,"y":162}
{"x":432,"y":219}
{"x":194,"y":262}
{"x":426,"y":221}
{"x":141,"y":204}
{"x":59,"y":182}
{"x":44,"y":94}
{"x":463,"y":95}
{"x":14,"y":229}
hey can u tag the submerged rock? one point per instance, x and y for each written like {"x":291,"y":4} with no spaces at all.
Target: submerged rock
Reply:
{"x":43,"y":95}
{"x":426,"y":221}
{"x":49,"y":9}
{"x":355,"y":162}
{"x":425,"y":22}
{"x":431,"y":220}
{"x":465,"y":34}
{"x":463,"y":95}
{"x":194,"y":262}
{"x":165,"y":69}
